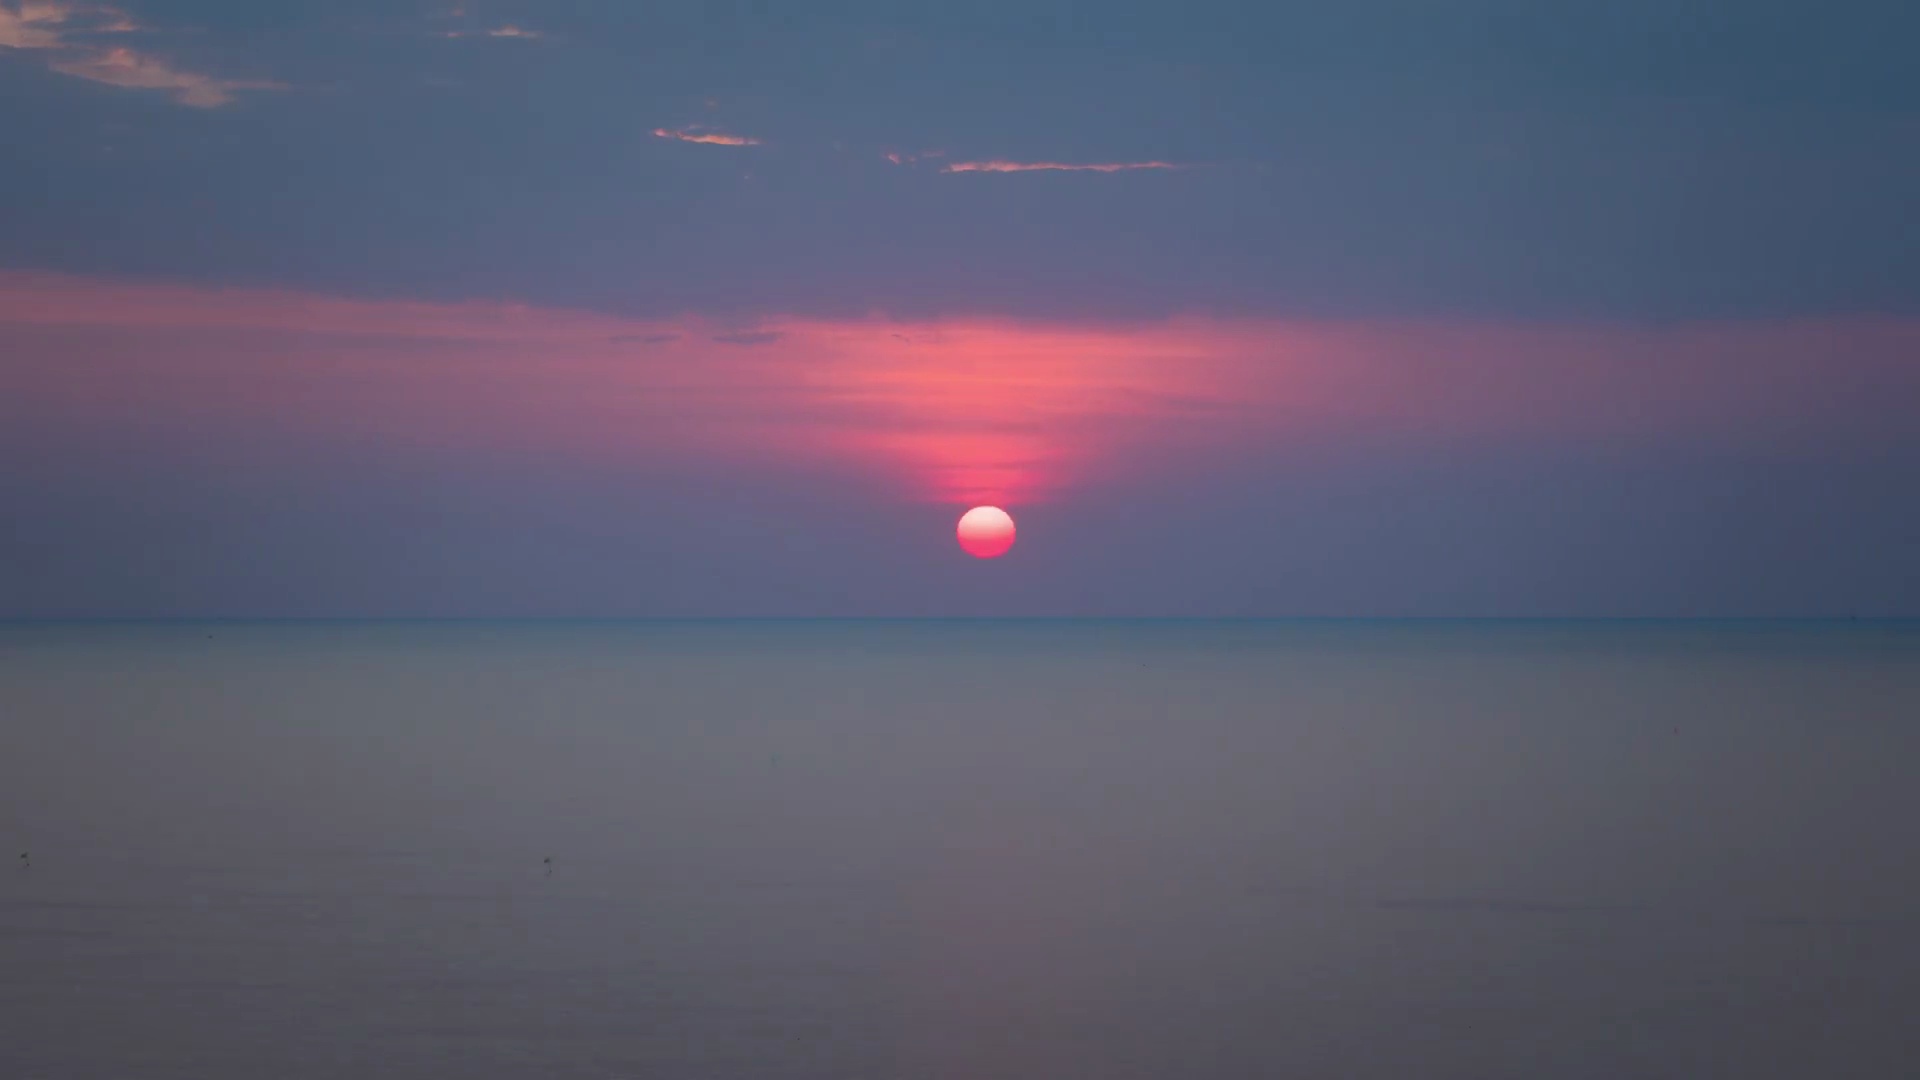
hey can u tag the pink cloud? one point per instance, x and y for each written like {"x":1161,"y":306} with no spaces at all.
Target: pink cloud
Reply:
{"x":955,"y":409}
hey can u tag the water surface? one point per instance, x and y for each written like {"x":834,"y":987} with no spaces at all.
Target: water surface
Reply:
{"x":959,"y":850}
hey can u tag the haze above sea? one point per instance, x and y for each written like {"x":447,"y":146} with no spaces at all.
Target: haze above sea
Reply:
{"x":959,"y":849}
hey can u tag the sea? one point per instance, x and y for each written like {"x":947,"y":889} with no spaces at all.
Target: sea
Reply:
{"x":969,"y":850}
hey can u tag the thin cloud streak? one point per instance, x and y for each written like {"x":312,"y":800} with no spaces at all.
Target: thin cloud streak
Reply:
{"x":131,"y":70}
{"x":507,"y":31}
{"x":999,"y":166}
{"x":749,"y":337}
{"x":710,"y":138}
{"x":63,"y":29}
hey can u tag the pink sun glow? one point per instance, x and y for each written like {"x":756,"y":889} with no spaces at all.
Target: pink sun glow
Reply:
{"x":961,"y":410}
{"x":985,"y":532}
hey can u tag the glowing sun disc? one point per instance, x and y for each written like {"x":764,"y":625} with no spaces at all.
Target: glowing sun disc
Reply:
{"x":985,"y":532}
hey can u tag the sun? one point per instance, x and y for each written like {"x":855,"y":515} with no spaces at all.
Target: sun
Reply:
{"x":985,"y":532}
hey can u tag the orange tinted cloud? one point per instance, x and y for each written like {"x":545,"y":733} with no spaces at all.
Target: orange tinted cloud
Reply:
{"x":138,"y":71}
{"x":66,"y":31}
{"x":712,"y":138}
{"x":32,"y":26}
{"x":998,"y":166}
{"x":962,"y":409}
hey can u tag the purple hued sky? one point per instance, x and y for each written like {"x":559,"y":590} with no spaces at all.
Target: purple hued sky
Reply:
{"x":594,"y":308}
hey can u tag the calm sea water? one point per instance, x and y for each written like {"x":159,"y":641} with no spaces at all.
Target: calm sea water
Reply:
{"x":967,"y":850}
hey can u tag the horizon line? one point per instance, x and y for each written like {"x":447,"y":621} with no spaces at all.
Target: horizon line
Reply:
{"x":33,"y":620}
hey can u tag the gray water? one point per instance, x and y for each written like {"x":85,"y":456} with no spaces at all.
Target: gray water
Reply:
{"x":960,"y":850}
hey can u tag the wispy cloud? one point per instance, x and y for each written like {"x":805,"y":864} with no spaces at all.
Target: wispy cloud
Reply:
{"x":32,"y":26}
{"x":507,"y":31}
{"x":705,"y":135}
{"x":999,"y":166}
{"x":903,"y":158}
{"x":67,"y":31}
{"x":749,"y":337}
{"x":138,"y":71}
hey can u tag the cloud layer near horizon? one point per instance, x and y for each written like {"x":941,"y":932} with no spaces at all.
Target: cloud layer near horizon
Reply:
{"x":955,"y":409}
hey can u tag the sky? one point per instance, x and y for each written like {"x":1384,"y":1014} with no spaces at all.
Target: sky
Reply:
{"x":599,"y":309}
